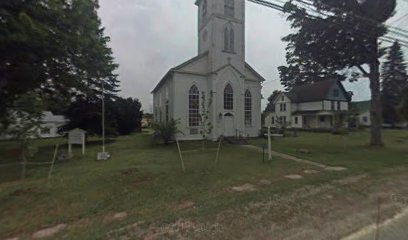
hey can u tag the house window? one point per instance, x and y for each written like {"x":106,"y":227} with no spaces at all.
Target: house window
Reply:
{"x":229,"y":39}
{"x":296,"y":120}
{"x":322,"y":119}
{"x":283,"y":107}
{"x":338,"y":105}
{"x":365,"y":119}
{"x":45,"y":131}
{"x":332,"y":105}
{"x":167,"y":111}
{"x":228,"y":98}
{"x":229,"y":8}
{"x":272,"y":120}
{"x":248,"y":108}
{"x":193,"y":107}
{"x":336,"y":93}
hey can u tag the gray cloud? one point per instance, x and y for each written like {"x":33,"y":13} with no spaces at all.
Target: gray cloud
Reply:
{"x":151,"y":36}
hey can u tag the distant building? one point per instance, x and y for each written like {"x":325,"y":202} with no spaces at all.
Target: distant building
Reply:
{"x":322,"y":105}
{"x":51,"y":125}
{"x":49,"y":128}
{"x":219,"y":72}
{"x":363,"y":112}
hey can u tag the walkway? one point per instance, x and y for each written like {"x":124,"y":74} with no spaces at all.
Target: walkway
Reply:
{"x":292,"y":158}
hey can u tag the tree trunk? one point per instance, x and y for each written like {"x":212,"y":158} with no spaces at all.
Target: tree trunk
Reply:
{"x":376,"y":109}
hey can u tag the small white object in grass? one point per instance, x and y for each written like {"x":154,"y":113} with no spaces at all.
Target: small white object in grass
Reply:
{"x":103,"y":156}
{"x":308,"y":171}
{"x":337,"y":169}
{"x":294,"y":176}
{"x":48,"y":232}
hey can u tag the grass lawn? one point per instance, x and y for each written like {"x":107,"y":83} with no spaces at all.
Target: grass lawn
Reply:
{"x":142,"y":179}
{"x":146,"y":181}
{"x":351,"y":151}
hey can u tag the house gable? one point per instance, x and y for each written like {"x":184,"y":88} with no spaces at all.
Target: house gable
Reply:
{"x":337,"y":93}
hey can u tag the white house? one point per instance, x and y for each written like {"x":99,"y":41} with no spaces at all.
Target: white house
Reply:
{"x":313,"y":106}
{"x":219,"y":72}
{"x":51,"y":124}
{"x":363,"y":111}
{"x":49,"y":128}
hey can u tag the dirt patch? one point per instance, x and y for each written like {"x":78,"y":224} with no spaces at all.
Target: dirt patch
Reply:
{"x":294,"y":177}
{"x":335,"y":169}
{"x":116,"y":217}
{"x":183,"y":205}
{"x":244,"y":188}
{"x":48,"y":232}
{"x":351,"y":179}
{"x":265,"y":182}
{"x":310,"y":171}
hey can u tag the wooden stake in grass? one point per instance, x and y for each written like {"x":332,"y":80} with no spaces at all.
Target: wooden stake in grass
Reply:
{"x":53,"y":162}
{"x":218,"y":151}
{"x":181,"y":156}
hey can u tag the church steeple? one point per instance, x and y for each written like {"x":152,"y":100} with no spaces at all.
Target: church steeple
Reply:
{"x":221,"y":30}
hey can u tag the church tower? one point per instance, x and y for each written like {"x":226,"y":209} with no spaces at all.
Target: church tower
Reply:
{"x":221,"y":32}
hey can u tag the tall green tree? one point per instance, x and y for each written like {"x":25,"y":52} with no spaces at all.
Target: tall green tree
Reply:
{"x":403,"y":107}
{"x":56,"y":48}
{"x":128,"y":115}
{"x":341,"y":35}
{"x":394,"y":79}
{"x":300,"y":71}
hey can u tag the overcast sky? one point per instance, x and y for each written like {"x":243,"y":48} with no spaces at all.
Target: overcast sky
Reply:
{"x":151,"y":36}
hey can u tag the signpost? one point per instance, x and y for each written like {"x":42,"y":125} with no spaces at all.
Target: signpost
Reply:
{"x":77,"y":137}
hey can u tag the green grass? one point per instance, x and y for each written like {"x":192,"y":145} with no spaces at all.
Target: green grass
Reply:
{"x":143,"y":179}
{"x":351,"y":151}
{"x":146,"y":180}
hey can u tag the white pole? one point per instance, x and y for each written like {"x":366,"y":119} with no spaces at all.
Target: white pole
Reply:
{"x":269,"y":144}
{"x":103,"y":117}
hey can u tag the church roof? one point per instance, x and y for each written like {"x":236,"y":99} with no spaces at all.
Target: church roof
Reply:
{"x":171,"y":71}
{"x":180,"y":68}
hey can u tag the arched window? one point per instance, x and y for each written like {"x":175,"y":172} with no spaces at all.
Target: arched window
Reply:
{"x":232,"y":40}
{"x":167,"y":111}
{"x":248,"y":108}
{"x":226,"y":39}
{"x":193,"y":107}
{"x":229,"y":8}
{"x":229,"y":39}
{"x":228,"y":98}
{"x":204,"y":11}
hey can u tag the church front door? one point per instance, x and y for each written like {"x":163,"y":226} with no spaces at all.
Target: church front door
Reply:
{"x":229,"y":125}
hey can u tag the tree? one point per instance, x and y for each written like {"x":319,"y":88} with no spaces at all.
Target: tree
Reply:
{"x":394,"y":79}
{"x":270,"y":107}
{"x":128,"y":115}
{"x":403,"y":107}
{"x":56,"y":48}
{"x":301,"y":70}
{"x":165,"y":131}
{"x":341,"y":35}
{"x":86,"y":113}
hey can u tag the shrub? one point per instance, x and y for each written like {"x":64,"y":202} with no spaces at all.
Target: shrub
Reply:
{"x":165,"y":131}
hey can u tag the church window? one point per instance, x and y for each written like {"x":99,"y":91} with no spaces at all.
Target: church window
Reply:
{"x":193,"y":107}
{"x":229,"y":39}
{"x":228,"y":98}
{"x":248,"y":108}
{"x":232,"y":40}
{"x":229,"y":8}
{"x":167,"y":111}
{"x":204,"y":11}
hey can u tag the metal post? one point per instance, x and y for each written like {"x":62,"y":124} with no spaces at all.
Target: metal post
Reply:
{"x":269,"y":144}
{"x":103,"y":117}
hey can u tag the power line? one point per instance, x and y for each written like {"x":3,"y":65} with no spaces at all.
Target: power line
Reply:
{"x":390,"y":39}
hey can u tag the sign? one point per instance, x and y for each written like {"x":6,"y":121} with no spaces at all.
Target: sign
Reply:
{"x":77,"y":137}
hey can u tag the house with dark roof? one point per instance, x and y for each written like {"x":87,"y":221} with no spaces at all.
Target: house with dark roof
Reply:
{"x":322,"y":105}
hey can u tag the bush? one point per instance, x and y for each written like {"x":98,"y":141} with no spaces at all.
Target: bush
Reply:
{"x":165,"y":131}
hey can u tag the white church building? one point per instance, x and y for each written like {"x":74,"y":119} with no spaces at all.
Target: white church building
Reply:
{"x":219,"y":72}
